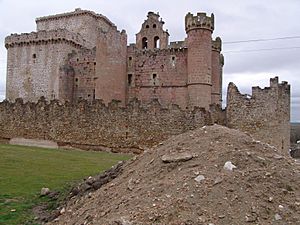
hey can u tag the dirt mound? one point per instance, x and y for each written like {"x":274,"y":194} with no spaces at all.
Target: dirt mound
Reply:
{"x":184,"y":181}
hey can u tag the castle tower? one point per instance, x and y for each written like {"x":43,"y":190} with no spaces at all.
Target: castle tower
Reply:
{"x":199,"y":29}
{"x":152,"y":35}
{"x":217,"y":62}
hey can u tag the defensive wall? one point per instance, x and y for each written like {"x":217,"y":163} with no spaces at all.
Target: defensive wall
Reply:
{"x":265,"y":114}
{"x":97,"y":126}
{"x":93,"y":125}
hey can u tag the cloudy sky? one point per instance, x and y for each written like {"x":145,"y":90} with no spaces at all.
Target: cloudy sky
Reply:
{"x":247,"y":64}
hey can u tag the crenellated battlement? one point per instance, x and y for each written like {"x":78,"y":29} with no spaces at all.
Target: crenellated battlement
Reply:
{"x":77,"y":12}
{"x":217,"y":44}
{"x":177,"y":44}
{"x":200,"y":21}
{"x":45,"y":37}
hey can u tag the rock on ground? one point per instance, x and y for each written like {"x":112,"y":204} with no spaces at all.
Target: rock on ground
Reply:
{"x":263,"y":188}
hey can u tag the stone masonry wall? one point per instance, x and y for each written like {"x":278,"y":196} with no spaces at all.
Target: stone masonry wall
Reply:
{"x":33,"y":64}
{"x":265,"y":114}
{"x":158,"y":74}
{"x":83,"y":22}
{"x":97,"y":126}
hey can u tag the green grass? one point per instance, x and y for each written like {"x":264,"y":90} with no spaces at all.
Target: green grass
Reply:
{"x":25,"y":170}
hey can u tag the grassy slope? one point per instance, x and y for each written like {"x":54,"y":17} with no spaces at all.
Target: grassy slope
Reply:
{"x":25,"y":170}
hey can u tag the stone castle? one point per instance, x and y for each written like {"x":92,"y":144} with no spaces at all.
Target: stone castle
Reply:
{"x":99,"y":93}
{"x":82,"y":55}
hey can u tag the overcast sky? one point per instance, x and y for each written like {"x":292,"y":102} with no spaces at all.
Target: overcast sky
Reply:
{"x":235,"y":20}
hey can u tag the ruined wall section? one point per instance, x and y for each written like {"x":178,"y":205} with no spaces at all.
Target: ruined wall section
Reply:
{"x":158,"y":74}
{"x":96,"y":126}
{"x":34,"y":60}
{"x":111,"y":58}
{"x":265,"y":114}
{"x":77,"y":76}
{"x":84,"y":22}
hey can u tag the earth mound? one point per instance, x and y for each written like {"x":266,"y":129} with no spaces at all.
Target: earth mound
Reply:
{"x":213,"y":176}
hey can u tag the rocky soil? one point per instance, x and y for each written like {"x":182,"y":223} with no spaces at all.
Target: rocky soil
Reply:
{"x":183,"y":181}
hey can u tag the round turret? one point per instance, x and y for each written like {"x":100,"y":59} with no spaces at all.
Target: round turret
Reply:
{"x":199,"y":29}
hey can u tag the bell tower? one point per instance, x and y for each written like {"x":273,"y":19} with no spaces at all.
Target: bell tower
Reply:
{"x":152,"y":35}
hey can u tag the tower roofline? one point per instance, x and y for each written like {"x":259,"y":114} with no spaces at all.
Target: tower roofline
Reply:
{"x":77,"y":12}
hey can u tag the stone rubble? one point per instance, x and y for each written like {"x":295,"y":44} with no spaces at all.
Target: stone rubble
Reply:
{"x":262,"y":189}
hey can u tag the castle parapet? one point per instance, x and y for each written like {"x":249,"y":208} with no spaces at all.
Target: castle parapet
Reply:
{"x":77,"y":12}
{"x":201,"y":20}
{"x":177,"y":44}
{"x":43,"y":37}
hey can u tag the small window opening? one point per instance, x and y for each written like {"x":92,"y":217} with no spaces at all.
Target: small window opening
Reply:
{"x":147,"y":26}
{"x":34,"y":56}
{"x":89,"y":96}
{"x":144,"y":43}
{"x":156,"y":42}
{"x":173,"y":61}
{"x":76,"y":79}
{"x":95,"y":63}
{"x":129,"y":79}
{"x":154,"y":25}
{"x":88,"y":63}
{"x":130,"y":61}
{"x":77,"y":59}
{"x":154,"y":76}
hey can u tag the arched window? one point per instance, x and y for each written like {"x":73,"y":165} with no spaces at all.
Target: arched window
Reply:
{"x":156,"y":42}
{"x":154,"y":25}
{"x":144,"y":43}
{"x":147,"y":26}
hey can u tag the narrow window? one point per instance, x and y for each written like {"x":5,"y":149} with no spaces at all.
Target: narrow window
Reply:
{"x":156,"y":42}
{"x":129,"y":79}
{"x":130,"y":61}
{"x":154,"y":77}
{"x":76,"y":79}
{"x":173,"y":61}
{"x":34,"y":56}
{"x":94,"y":63}
{"x":145,"y":43}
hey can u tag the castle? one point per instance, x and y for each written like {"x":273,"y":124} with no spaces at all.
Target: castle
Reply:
{"x":82,"y":55}
{"x":99,"y":93}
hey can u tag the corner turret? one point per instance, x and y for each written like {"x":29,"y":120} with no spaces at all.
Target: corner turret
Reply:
{"x":217,"y":62}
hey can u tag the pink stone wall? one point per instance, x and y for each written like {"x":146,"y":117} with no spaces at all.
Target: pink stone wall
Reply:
{"x":199,"y":67}
{"x":158,"y":75}
{"x":111,"y":52}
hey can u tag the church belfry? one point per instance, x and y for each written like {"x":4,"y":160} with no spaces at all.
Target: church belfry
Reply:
{"x":152,"y":35}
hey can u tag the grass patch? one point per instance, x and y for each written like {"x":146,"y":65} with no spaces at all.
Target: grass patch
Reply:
{"x":25,"y":170}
